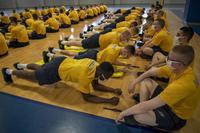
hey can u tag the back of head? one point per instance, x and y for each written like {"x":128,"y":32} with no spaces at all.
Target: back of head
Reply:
{"x":126,"y":34}
{"x":14,"y":11}
{"x":161,"y":22}
{"x":187,"y":31}
{"x":106,"y":68}
{"x":131,"y":49}
{"x":185,"y":53}
{"x":61,"y":10}
{"x":35,"y":17}
{"x":13,"y":20}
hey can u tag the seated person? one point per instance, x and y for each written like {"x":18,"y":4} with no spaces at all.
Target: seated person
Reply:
{"x":160,"y":15}
{"x":161,"y":41}
{"x":38,"y":29}
{"x":82,"y":14}
{"x":183,"y":37}
{"x":148,"y":29}
{"x":73,"y":15}
{"x":84,"y":72}
{"x":90,"y":13}
{"x":4,"y":23}
{"x":99,"y":40}
{"x":65,"y":21}
{"x":109,"y":54}
{"x":29,"y":21}
{"x":16,"y":15}
{"x":171,"y":107}
{"x":53,"y":24}
{"x":19,"y":35}
{"x":3,"y":45}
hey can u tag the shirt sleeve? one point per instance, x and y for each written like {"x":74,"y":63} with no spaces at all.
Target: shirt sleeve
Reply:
{"x":157,"y":39}
{"x":164,"y":71}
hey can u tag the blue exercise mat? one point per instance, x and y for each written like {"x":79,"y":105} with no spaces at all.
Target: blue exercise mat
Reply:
{"x":19,"y":115}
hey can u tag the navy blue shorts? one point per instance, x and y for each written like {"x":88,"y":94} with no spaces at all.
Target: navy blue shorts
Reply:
{"x":110,"y":26}
{"x":90,"y":53}
{"x":91,"y":42}
{"x":158,"y":49}
{"x":165,"y":117}
{"x":48,"y":74}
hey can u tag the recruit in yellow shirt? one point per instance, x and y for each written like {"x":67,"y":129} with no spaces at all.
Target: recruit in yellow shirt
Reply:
{"x":82,"y":14}
{"x":53,"y":23}
{"x":163,"y":39}
{"x":5,"y":19}
{"x":182,"y":93}
{"x":78,"y":71}
{"x":3,"y":45}
{"x":64,"y":19}
{"x":109,"y":54}
{"x":108,"y":38}
{"x":19,"y":32}
{"x":73,"y":15}
{"x":39,"y":27}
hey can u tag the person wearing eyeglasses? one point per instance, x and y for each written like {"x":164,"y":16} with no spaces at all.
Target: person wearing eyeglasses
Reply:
{"x":166,"y":108}
{"x":83,"y":72}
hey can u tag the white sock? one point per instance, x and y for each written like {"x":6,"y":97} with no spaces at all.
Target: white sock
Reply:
{"x":9,"y":71}
{"x":50,"y":54}
{"x":63,"y":42}
{"x":56,"y":50}
{"x":21,"y":66}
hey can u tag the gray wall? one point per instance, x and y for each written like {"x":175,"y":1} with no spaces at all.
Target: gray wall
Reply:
{"x":8,"y":4}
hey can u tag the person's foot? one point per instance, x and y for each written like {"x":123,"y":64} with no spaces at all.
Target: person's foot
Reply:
{"x":45,"y":57}
{"x":7,"y":77}
{"x":16,"y":67}
{"x":114,"y":100}
{"x":118,"y":91}
{"x":61,"y":46}
{"x":136,"y":97}
{"x":50,"y":49}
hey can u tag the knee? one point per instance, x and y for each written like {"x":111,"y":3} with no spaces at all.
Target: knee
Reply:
{"x":147,"y":51}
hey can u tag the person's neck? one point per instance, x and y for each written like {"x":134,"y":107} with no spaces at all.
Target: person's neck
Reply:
{"x":180,"y":71}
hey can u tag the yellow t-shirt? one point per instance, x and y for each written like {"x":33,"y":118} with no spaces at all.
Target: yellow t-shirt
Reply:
{"x":163,"y":39}
{"x":19,"y":32}
{"x":39,"y":27}
{"x":123,"y":24}
{"x":56,"y":10}
{"x":108,"y":38}
{"x":95,"y":11}
{"x":109,"y":54}
{"x":102,"y":9}
{"x":27,"y":15}
{"x":90,"y":12}
{"x":82,"y":14}
{"x":5,"y":19}
{"x":150,"y":31}
{"x":29,"y":22}
{"x":53,"y":23}
{"x":73,"y":15}
{"x":38,"y":13}
{"x":98,"y":9}
{"x":50,"y":10}
{"x":44,"y":12}
{"x":64,"y":18}
{"x":78,"y":71}
{"x":3,"y":45}
{"x":182,"y":93}
{"x":121,"y":29}
{"x":105,"y":7}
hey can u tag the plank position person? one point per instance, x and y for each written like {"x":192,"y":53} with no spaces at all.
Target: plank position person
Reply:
{"x":169,"y":108}
{"x":99,"y":40}
{"x":83,"y":72}
{"x":109,"y":54}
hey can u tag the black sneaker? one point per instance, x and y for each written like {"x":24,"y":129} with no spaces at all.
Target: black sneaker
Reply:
{"x":15,"y":66}
{"x":51,"y":50}
{"x":81,"y":35}
{"x":66,"y":38}
{"x":61,"y":46}
{"x":45,"y":57}
{"x":7,"y":78}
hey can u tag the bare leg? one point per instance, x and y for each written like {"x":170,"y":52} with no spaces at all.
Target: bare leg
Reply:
{"x":147,"y":88}
{"x":68,"y":53}
{"x":96,"y":99}
{"x":103,"y":88}
{"x":27,"y":75}
{"x":157,"y":59}
{"x":33,"y":66}
{"x":72,"y":43}
{"x":148,"y":118}
{"x":148,"y":51}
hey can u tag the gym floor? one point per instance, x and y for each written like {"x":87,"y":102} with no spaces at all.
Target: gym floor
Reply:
{"x":26,"y":107}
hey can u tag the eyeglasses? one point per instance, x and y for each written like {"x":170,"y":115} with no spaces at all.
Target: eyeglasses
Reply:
{"x":173,"y":61}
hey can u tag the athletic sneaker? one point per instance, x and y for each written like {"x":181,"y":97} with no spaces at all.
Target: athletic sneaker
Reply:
{"x":81,"y":35}
{"x":61,"y":46}
{"x":7,"y":77}
{"x":15,"y":66}
{"x":45,"y":57}
{"x":66,"y":38}
{"x":51,"y":50}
